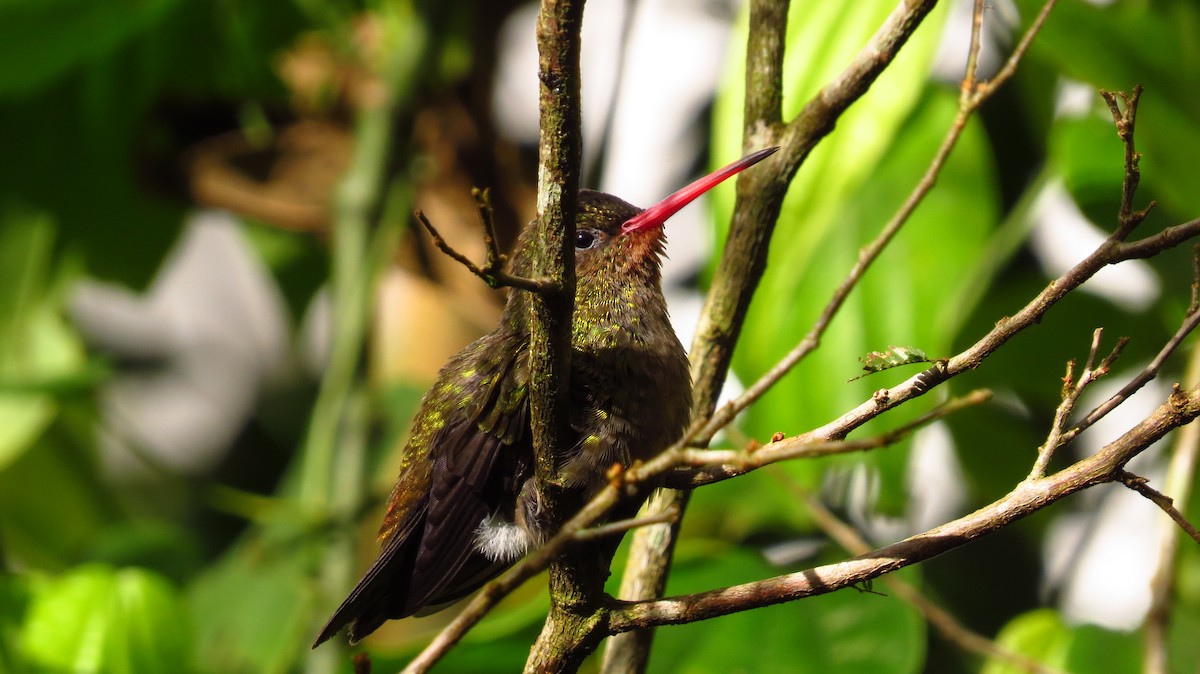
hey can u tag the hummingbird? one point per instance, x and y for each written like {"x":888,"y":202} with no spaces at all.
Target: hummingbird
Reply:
{"x":465,"y":506}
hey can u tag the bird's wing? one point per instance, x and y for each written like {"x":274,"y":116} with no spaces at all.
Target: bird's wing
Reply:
{"x":475,"y":462}
{"x":428,"y":539}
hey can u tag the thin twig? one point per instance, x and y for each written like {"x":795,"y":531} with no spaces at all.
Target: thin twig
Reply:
{"x":985,"y":89}
{"x":1194,"y":305}
{"x":1145,"y":376}
{"x":1164,"y":502}
{"x":968,"y":105}
{"x":1072,"y":390}
{"x":714,"y":466}
{"x":1028,"y":497}
{"x":967,"y":87}
{"x":621,"y":526}
{"x":1178,"y":485}
{"x":1124,"y":121}
{"x":492,"y":272}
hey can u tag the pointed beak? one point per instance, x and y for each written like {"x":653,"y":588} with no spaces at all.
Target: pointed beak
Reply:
{"x":657,"y":214}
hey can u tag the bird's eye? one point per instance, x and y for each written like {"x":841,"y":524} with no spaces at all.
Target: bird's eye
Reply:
{"x":585,"y":239}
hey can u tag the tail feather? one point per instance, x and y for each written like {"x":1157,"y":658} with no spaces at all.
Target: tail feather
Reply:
{"x":378,"y":596}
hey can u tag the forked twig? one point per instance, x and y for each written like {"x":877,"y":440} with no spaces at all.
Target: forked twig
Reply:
{"x":1072,"y":390}
{"x":973,"y":95}
{"x":1166,"y":503}
{"x":492,"y":272}
{"x":621,"y":526}
{"x":1148,"y":373}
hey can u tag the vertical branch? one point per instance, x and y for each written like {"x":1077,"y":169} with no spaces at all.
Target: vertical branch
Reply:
{"x":651,"y":554}
{"x":333,"y":453}
{"x":1178,"y":486}
{"x":558,"y":27}
{"x":760,"y":197}
{"x":576,"y":577}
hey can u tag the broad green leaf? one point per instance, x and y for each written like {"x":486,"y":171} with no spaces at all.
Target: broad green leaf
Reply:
{"x":915,"y":294}
{"x":1119,"y":45}
{"x":44,"y":38}
{"x":99,"y":619}
{"x":1095,"y":650}
{"x":252,"y":612}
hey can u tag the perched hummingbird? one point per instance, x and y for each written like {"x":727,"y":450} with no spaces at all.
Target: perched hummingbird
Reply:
{"x":465,"y":506}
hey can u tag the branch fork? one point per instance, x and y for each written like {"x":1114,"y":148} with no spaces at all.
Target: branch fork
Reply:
{"x":492,"y":272}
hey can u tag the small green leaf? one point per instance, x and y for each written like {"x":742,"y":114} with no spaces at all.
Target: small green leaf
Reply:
{"x":895,"y":356}
{"x":1040,"y":635}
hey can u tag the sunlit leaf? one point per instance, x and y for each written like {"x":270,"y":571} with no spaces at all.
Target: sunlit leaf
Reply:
{"x":98,"y":619}
{"x":916,"y":293}
{"x":36,"y":346}
{"x":1040,"y":635}
{"x":894,"y":356}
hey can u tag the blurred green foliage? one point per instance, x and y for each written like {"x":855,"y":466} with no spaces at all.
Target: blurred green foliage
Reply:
{"x":185,"y":573}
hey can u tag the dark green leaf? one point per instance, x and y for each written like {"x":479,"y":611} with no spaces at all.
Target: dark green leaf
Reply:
{"x":44,"y":38}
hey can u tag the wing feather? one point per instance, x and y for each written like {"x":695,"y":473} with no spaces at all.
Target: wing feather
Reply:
{"x":427,"y":554}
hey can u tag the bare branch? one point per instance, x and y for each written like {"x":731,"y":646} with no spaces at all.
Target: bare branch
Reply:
{"x":1145,"y":376}
{"x":1029,"y":496}
{"x":1153,"y":245}
{"x":1164,"y":502}
{"x":1124,"y":121}
{"x":715,"y":466}
{"x":492,"y":272}
{"x":1072,"y":390}
{"x":621,"y":526}
{"x":942,"y":620}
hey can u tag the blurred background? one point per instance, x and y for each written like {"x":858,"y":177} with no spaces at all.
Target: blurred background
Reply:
{"x":217,"y":314}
